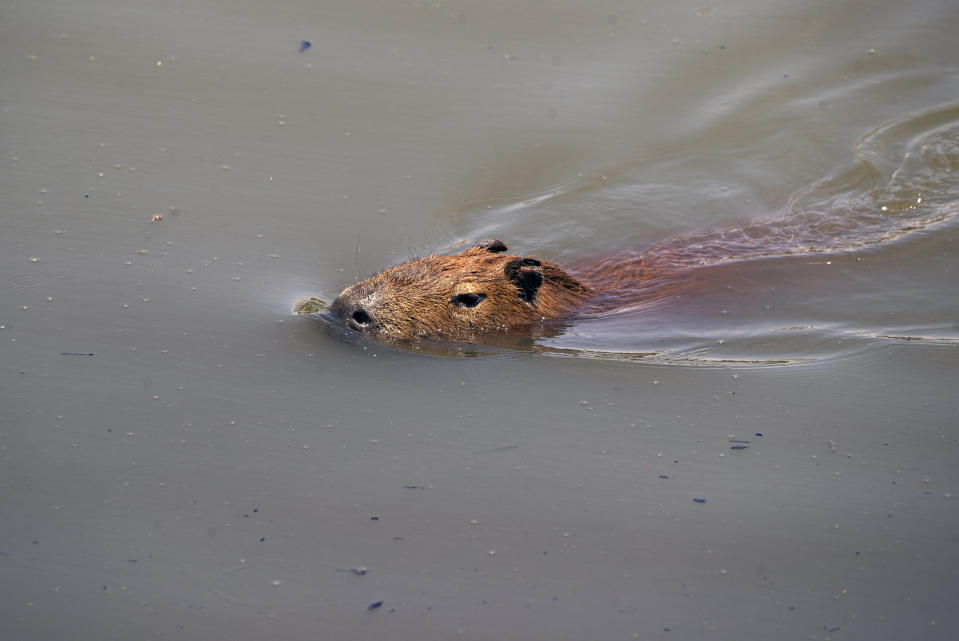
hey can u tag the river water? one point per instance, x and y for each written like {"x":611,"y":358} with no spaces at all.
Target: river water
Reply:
{"x":771,"y":453}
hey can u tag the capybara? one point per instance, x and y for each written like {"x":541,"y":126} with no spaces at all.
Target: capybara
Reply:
{"x":458,"y":298}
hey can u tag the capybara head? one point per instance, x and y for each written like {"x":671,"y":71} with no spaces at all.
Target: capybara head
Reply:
{"x":481,"y":291}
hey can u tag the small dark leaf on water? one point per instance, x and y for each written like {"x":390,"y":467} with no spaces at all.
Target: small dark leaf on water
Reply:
{"x":739,"y":447}
{"x":374,"y":518}
{"x":375,"y":606}
{"x":304,"y":45}
{"x":699,"y":500}
{"x":497,"y":449}
{"x":663,"y":476}
{"x":759,"y":433}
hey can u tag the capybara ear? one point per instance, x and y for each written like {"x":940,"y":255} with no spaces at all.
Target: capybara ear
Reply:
{"x":491,"y":245}
{"x":525,"y":273}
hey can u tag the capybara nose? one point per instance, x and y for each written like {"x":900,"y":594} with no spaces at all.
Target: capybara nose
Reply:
{"x":351,"y":312}
{"x":347,"y":307}
{"x":359,"y":320}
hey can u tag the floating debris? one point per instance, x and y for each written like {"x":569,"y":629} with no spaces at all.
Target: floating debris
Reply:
{"x":699,"y":500}
{"x":309,"y":306}
{"x":376,"y":605}
{"x":304,"y":45}
{"x":497,"y":449}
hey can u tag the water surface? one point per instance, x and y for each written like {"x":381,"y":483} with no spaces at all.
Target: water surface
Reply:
{"x":771,"y":454}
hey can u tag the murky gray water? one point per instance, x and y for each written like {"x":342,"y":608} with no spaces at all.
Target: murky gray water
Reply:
{"x":772,"y":454}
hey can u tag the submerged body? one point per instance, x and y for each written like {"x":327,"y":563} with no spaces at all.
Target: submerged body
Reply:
{"x":484,"y":295}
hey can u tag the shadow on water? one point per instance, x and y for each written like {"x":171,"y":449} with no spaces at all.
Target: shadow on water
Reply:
{"x":693,"y":305}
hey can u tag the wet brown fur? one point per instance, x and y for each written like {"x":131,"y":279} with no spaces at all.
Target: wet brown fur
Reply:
{"x":478,"y":293}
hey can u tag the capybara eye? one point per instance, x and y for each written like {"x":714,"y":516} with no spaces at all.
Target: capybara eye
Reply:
{"x":468,"y":300}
